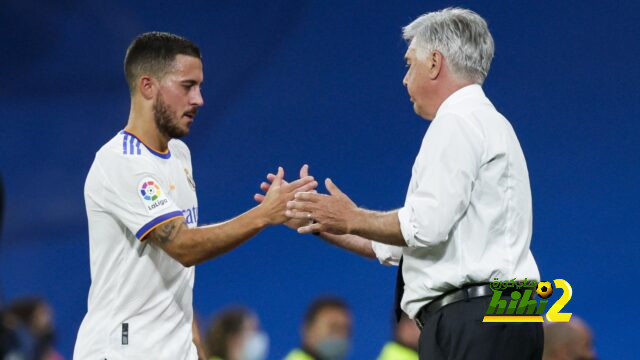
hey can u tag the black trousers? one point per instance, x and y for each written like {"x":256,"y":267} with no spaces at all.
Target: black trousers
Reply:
{"x":457,"y":332}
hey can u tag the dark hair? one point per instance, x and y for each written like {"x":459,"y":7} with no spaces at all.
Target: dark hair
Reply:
{"x":320,"y":304}
{"x":24,"y":309}
{"x":224,"y":326}
{"x":153,"y":53}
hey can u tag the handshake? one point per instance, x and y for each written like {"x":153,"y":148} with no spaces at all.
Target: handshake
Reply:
{"x":299,"y":206}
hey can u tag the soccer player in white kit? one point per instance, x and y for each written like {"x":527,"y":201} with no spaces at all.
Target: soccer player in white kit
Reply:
{"x":142,"y":211}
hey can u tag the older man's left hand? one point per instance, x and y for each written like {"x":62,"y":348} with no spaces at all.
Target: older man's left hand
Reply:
{"x":334,"y":213}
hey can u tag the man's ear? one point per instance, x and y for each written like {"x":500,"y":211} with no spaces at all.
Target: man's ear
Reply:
{"x":436,"y":61}
{"x":147,"y":86}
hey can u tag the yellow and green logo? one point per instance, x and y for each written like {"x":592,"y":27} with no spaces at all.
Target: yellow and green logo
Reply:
{"x":521,"y":307}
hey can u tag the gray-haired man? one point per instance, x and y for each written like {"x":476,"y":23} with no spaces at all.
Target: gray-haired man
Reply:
{"x":467,"y":214}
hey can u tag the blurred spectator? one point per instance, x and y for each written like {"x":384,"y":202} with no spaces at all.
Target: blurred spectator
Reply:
{"x":571,"y":340}
{"x":31,"y":331}
{"x":234,"y":334}
{"x":326,"y":331}
{"x":9,"y":345}
{"x":405,"y":341}
{"x":8,"y":340}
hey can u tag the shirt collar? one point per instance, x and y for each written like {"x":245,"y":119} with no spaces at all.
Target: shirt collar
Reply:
{"x":469,"y":91}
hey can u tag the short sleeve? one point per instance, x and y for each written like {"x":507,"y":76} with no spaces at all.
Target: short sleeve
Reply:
{"x":136,"y":193}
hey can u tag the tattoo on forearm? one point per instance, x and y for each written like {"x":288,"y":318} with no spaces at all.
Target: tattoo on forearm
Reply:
{"x":168,"y":231}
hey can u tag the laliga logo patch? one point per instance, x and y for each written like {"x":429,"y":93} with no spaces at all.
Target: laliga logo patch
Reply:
{"x":152,"y":195}
{"x":150,"y":191}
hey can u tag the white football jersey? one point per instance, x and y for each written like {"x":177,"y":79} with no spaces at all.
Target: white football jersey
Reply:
{"x":140,"y":300}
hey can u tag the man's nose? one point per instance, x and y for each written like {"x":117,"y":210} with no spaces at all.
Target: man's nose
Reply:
{"x":197,"y":98}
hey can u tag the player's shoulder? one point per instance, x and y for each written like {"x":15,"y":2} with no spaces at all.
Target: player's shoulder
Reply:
{"x":122,"y":149}
{"x":180,"y":149}
{"x":178,"y":145}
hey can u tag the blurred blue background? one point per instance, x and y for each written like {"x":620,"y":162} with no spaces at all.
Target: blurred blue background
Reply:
{"x":289,"y":82}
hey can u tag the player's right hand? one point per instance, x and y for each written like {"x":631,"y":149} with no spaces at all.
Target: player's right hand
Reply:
{"x":264,"y":186}
{"x":279,"y":192}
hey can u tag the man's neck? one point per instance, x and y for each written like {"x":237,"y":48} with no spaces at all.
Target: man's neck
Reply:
{"x":142,"y":124}
{"x":309,"y":351}
{"x":449,"y":90}
{"x":402,"y":343}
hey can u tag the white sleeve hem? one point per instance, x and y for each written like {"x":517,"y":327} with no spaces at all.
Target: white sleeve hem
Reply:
{"x":406,"y":227}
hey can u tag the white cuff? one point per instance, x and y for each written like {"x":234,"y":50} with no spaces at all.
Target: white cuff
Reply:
{"x":387,"y":254}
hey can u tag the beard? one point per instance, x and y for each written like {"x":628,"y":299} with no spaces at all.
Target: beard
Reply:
{"x":166,"y":120}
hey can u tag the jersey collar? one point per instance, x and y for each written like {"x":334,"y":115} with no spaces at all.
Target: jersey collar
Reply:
{"x":161,"y":154}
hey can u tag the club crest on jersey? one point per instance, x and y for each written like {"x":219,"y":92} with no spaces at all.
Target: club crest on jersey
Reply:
{"x":190,"y":179}
{"x":152,"y":195}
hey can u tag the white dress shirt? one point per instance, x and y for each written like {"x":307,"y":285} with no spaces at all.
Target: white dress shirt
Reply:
{"x":467,"y":215}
